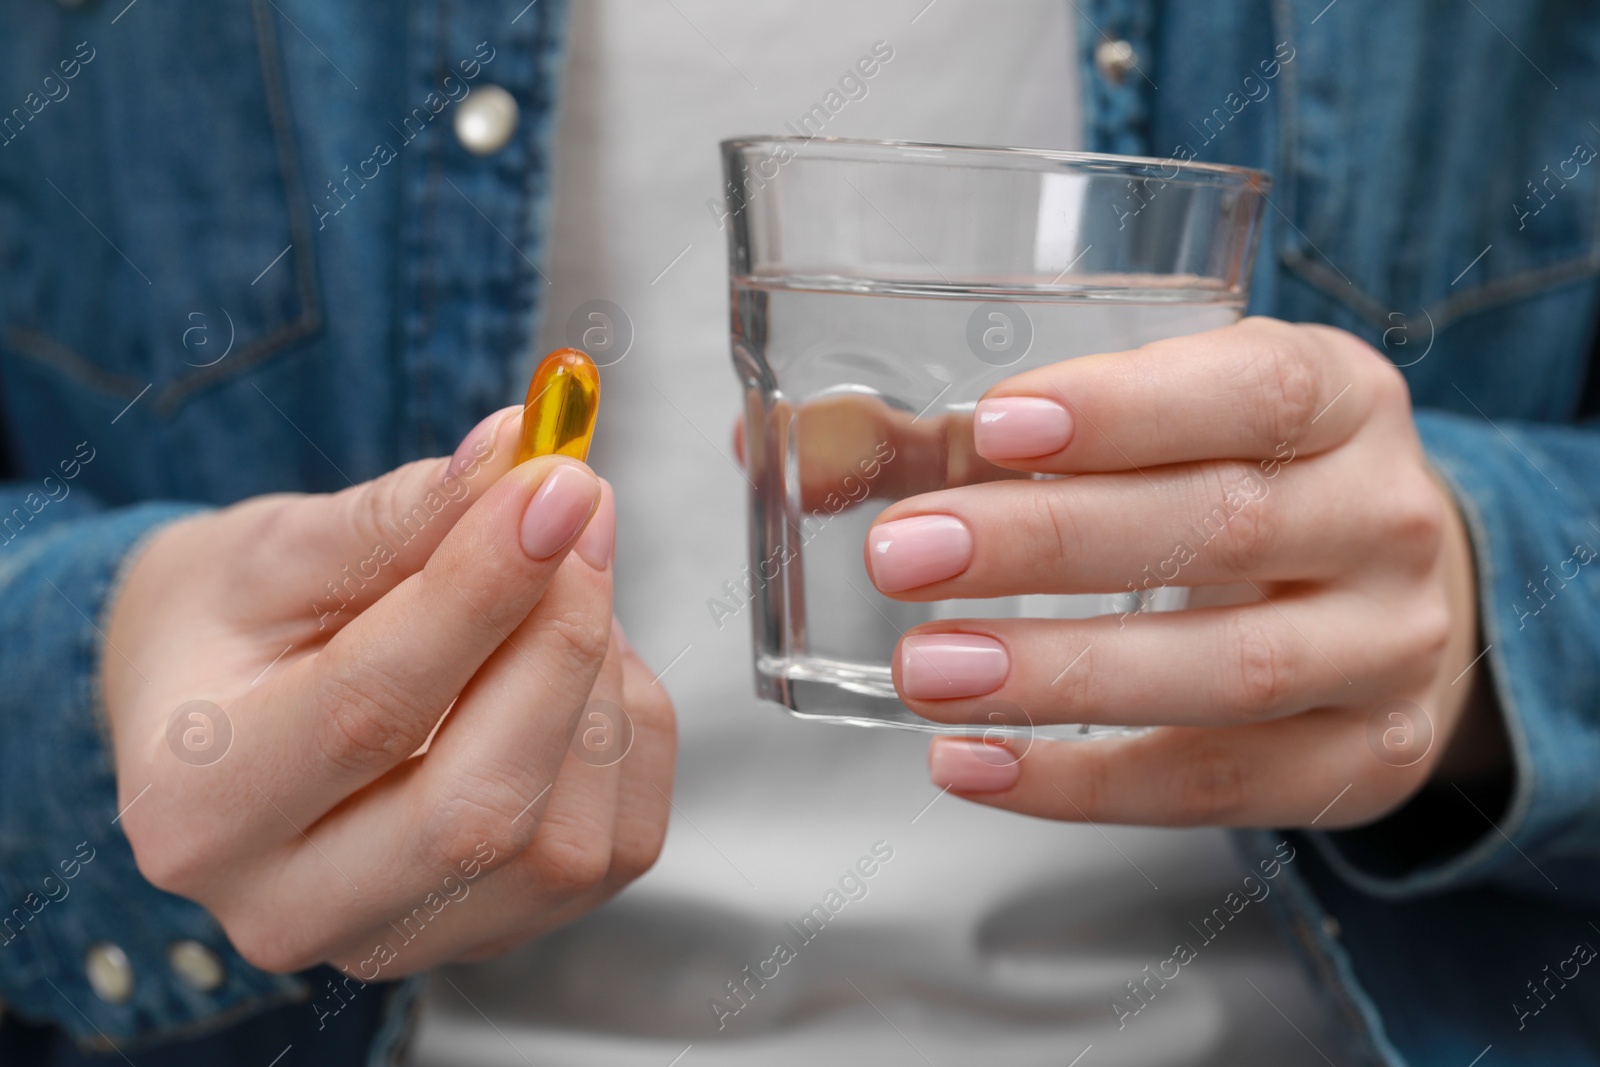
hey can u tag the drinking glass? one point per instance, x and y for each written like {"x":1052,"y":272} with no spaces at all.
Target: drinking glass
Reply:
{"x":877,"y":290}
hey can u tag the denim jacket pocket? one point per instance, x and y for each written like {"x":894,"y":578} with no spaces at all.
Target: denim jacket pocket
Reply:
{"x":1456,"y":180}
{"x":154,"y":233}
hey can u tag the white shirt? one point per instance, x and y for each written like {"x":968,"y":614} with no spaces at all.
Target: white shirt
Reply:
{"x":988,"y":938}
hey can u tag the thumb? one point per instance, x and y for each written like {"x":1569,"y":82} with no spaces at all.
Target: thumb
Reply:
{"x":349,"y":548}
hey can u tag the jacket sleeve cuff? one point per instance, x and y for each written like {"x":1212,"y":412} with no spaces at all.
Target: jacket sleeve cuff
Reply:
{"x":1528,"y":496}
{"x":68,"y":882}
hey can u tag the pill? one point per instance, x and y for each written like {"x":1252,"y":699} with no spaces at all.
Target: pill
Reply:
{"x":563,"y":401}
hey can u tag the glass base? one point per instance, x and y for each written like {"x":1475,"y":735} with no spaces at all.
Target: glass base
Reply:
{"x":862,"y":702}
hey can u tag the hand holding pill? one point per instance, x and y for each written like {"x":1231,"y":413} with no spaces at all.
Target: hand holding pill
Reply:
{"x":403,"y":666}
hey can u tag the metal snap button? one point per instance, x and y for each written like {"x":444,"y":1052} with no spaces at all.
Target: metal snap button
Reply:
{"x":195,"y":965}
{"x":1113,"y":59}
{"x":486,"y":119}
{"x":109,"y":971}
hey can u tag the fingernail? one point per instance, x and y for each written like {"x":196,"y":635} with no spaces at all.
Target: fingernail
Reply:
{"x":479,"y":442}
{"x":907,"y":553}
{"x":944,"y":666}
{"x":969,"y":766}
{"x":600,"y":536}
{"x":1020,"y":427}
{"x":558,"y":510}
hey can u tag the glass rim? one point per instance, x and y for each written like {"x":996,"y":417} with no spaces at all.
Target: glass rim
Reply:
{"x":1001,"y":157}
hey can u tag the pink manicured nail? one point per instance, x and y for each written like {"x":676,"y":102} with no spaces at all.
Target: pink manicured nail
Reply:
{"x":477,"y":445}
{"x":969,"y":766}
{"x":944,"y":666}
{"x":600,"y":536}
{"x":558,"y":510}
{"x":907,"y":553}
{"x":1020,"y":427}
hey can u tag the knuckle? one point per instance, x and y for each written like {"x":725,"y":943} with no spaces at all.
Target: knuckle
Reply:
{"x":1416,"y":517}
{"x":170,"y":859}
{"x":1245,"y":527}
{"x":270,"y":945}
{"x":390,"y":503}
{"x":1263,"y":678}
{"x":637,"y":853}
{"x":1208,"y":786}
{"x":1387,"y":384}
{"x":462,"y":829}
{"x":375,"y":501}
{"x":359,"y":731}
{"x":638,"y":846}
{"x":570,"y":860}
{"x":1431,"y":630}
{"x":483,"y":585}
{"x":579,"y":638}
{"x":652,"y":713}
{"x":1289,"y":383}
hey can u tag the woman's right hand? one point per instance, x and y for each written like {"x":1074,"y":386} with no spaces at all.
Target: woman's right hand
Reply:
{"x":273,"y":671}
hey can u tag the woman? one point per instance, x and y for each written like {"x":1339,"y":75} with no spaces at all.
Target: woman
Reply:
{"x":301,"y":193}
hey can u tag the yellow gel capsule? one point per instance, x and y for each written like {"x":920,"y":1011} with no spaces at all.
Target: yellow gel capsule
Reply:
{"x":563,"y":402}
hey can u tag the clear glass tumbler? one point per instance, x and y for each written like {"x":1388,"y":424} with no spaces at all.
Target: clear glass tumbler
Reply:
{"x":877,"y":290}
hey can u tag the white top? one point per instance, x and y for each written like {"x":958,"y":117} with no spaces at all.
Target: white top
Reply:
{"x":988,"y":937}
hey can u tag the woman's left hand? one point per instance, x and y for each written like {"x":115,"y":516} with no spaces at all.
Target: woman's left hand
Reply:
{"x":1278,"y":460}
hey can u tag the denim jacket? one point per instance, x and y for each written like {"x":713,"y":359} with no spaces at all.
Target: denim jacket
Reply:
{"x":241,"y":252}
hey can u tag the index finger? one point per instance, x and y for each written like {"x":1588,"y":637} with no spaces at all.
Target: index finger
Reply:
{"x":374,"y":693}
{"x":1248,"y":391}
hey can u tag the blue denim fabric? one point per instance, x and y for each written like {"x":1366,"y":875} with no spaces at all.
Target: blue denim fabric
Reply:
{"x":1403,"y":138}
{"x":213,"y":286}
{"x":196,"y":187}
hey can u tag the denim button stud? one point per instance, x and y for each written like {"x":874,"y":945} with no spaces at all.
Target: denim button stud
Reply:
{"x":195,"y":965}
{"x":109,"y":972}
{"x":1113,"y":59}
{"x":485,"y":120}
